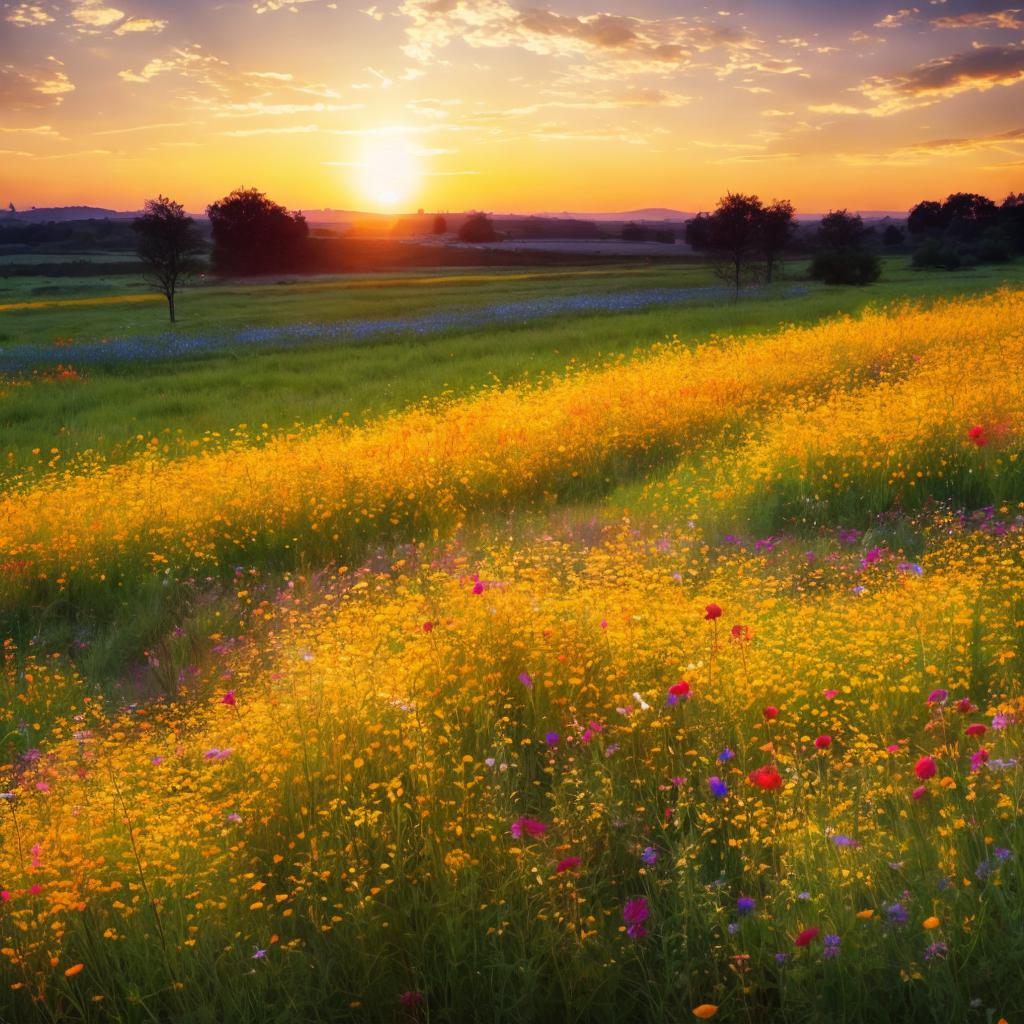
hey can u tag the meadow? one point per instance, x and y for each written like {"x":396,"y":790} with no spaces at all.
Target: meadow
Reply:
{"x":653,"y":662}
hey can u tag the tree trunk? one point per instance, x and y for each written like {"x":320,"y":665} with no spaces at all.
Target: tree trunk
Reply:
{"x":170,"y":305}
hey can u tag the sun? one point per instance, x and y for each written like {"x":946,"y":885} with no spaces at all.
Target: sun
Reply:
{"x":388,"y":173}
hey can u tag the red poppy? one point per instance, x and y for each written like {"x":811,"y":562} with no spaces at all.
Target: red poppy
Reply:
{"x":767,"y":777}
{"x":681,"y":689}
{"x":712,"y":612}
{"x":977,"y":435}
{"x":925,"y":768}
{"x":807,"y":936}
{"x":770,"y":712}
{"x":976,"y":729}
{"x":823,"y":742}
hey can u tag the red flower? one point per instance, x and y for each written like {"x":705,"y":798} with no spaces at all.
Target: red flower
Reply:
{"x":567,"y":865}
{"x":767,"y":777}
{"x":427,"y":627}
{"x":977,"y":435}
{"x":681,"y":689}
{"x":977,"y":729}
{"x":925,"y":768}
{"x":770,"y":712}
{"x":228,"y":698}
{"x":807,"y":936}
{"x":823,"y":742}
{"x":712,"y":612}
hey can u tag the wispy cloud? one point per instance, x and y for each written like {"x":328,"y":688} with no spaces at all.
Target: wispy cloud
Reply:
{"x":1008,"y":19}
{"x":29,"y":16}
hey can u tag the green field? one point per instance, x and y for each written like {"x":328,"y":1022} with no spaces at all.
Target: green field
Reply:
{"x":110,"y":408}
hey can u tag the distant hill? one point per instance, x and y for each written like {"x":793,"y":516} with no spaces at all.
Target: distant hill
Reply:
{"x":46,"y":214}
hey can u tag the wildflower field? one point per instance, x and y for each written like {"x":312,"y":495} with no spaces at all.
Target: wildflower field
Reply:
{"x":682,"y":684}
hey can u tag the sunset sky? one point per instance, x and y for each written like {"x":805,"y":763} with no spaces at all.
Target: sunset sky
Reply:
{"x":509,"y":106}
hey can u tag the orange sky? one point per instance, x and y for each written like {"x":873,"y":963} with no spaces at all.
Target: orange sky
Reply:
{"x":508,"y":106}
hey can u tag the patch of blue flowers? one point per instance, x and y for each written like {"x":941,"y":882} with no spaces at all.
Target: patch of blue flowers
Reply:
{"x":170,"y":345}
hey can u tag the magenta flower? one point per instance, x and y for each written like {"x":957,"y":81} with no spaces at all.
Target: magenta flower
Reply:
{"x":524,"y":826}
{"x":567,"y":865}
{"x":635,"y":912}
{"x":228,"y":698}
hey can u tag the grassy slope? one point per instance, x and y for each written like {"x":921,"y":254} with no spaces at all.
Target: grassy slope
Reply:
{"x":112,"y":405}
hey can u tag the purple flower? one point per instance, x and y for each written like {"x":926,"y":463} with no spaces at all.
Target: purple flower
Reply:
{"x":717,"y":786}
{"x":732,"y":927}
{"x":939,"y":696}
{"x":1000,"y":721}
{"x":896,"y":913}
{"x":841,"y":840}
{"x":1002,"y":853}
{"x":936,"y":951}
{"x":526,"y":679}
{"x":551,"y":739}
{"x":745,"y":905}
{"x":635,"y":912}
{"x":781,"y":958}
{"x":831,"y":946}
{"x":726,"y":755}
{"x":260,"y":954}
{"x":649,"y":856}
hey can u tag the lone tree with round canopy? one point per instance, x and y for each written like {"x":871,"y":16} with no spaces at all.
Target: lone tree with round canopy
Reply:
{"x":169,"y":244}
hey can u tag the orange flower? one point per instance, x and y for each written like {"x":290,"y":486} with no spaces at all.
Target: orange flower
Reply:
{"x":73,"y":970}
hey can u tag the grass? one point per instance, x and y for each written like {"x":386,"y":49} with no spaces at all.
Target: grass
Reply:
{"x":110,"y":407}
{"x":463,"y":714}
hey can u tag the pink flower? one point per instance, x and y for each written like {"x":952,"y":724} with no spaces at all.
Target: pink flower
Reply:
{"x":635,"y":912}
{"x":830,"y":694}
{"x":567,"y":865}
{"x":806,"y":937}
{"x":823,"y":742}
{"x":528,"y":826}
{"x":925,"y":768}
{"x":978,"y":758}
{"x":712,"y":612}
{"x":919,"y":792}
{"x":228,"y":698}
{"x":411,"y":998}
{"x":976,"y":729}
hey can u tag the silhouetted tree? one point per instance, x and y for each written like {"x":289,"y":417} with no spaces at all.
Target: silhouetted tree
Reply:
{"x":842,"y":255}
{"x":892,"y":236}
{"x":478,"y":229}
{"x":926,"y":219}
{"x":1011,"y":216}
{"x":633,"y":233}
{"x":254,"y":235}
{"x":778,"y":225}
{"x":440,"y":225}
{"x":731,"y":236}
{"x":168,"y":244}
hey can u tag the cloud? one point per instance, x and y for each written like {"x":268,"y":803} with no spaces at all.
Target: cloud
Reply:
{"x":1007,"y":19}
{"x":295,"y":129}
{"x":634,"y":45}
{"x":133,"y":25}
{"x":917,"y":153}
{"x":191,"y":62}
{"x":29,"y":16}
{"x":33,"y":87}
{"x":42,"y":129}
{"x":977,"y":70}
{"x":258,"y":108}
{"x":896,"y":20}
{"x":269,"y":6}
{"x":92,"y":15}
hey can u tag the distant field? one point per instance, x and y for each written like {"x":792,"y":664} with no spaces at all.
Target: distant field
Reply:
{"x":112,"y":408}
